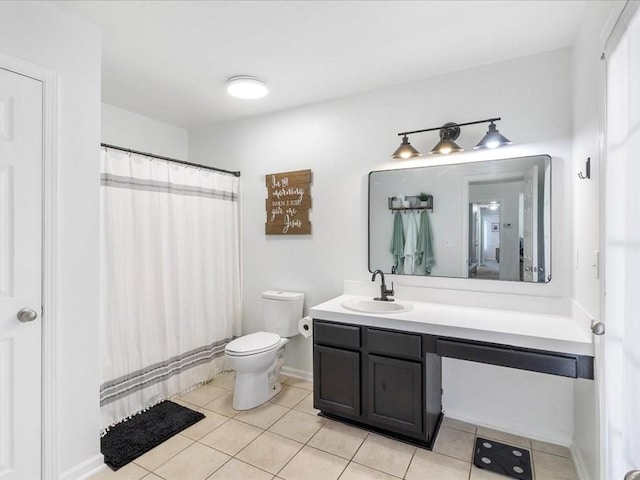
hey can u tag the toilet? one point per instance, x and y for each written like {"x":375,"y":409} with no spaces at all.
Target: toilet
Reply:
{"x":257,"y":357}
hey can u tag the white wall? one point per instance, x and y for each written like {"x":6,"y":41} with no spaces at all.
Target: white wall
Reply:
{"x":341,"y":141}
{"x":587,"y":73}
{"x":126,"y":129}
{"x":39,"y":33}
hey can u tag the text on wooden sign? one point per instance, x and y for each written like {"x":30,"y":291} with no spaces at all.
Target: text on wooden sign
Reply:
{"x":288,"y":203}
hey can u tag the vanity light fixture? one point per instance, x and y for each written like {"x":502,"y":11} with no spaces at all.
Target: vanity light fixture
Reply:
{"x":449,"y":132}
{"x":246,"y":87}
{"x":493,"y":139}
{"x":405,"y":150}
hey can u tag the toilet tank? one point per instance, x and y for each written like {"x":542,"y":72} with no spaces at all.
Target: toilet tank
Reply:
{"x":282,"y":311}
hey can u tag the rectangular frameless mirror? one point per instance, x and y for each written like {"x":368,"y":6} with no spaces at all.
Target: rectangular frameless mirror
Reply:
{"x":484,"y":220}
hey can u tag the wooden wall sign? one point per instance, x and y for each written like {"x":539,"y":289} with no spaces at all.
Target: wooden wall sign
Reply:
{"x":288,"y":203}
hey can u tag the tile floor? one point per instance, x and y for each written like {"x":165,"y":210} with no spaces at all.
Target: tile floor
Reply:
{"x":285,"y":439}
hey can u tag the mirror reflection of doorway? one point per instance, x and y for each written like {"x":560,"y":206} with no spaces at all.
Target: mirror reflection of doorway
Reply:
{"x":484,"y":244}
{"x":500,"y":229}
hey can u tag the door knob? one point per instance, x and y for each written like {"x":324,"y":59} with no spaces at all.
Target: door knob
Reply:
{"x":632,"y":475}
{"x":597,"y":327}
{"x":27,"y":315}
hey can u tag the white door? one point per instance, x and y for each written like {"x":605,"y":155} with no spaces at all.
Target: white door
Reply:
{"x":621,"y":309}
{"x":20,"y":275}
{"x":530,"y":226}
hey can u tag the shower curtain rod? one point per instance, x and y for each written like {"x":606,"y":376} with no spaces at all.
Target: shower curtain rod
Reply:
{"x":146,"y":154}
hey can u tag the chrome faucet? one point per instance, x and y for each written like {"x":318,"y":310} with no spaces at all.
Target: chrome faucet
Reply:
{"x":384,"y":293}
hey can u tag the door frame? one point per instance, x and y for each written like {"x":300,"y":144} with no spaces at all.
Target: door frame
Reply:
{"x":466,"y":181}
{"x":49,"y":80}
{"x":607,"y":31}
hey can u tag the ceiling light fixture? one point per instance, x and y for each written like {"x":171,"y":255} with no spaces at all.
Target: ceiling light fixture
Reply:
{"x":246,"y":87}
{"x":449,"y":132}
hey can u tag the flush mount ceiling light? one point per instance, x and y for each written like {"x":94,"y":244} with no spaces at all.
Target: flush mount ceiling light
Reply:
{"x":247,"y":87}
{"x":448,"y":133}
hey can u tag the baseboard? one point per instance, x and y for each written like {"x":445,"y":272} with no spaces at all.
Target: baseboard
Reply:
{"x":578,"y":461}
{"x":84,"y":470}
{"x":528,"y":431}
{"x":297,"y":373}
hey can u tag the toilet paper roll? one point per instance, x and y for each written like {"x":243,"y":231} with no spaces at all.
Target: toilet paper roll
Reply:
{"x":305,"y":326}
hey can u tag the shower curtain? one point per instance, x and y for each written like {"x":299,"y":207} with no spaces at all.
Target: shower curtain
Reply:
{"x":170,"y":279}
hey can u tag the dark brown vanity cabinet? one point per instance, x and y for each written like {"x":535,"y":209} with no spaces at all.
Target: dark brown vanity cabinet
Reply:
{"x":380,"y":379}
{"x":338,"y":381}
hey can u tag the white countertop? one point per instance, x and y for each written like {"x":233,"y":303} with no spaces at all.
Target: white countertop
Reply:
{"x":556,"y":333}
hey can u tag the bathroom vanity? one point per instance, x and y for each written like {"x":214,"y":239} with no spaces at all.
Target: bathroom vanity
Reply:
{"x":382,"y":369}
{"x":381,"y":378}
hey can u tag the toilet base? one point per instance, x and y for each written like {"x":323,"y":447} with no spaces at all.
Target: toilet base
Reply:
{"x":252,"y":390}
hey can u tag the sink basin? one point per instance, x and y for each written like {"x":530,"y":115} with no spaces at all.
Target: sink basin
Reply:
{"x":375,"y":306}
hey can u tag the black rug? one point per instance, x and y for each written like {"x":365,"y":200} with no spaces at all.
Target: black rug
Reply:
{"x":514,"y":462}
{"x":128,"y":440}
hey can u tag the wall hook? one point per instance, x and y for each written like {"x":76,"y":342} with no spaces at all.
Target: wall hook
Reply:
{"x":587,"y":168}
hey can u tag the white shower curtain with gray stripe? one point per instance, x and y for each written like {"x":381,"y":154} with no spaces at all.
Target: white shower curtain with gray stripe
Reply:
{"x":170,"y":279}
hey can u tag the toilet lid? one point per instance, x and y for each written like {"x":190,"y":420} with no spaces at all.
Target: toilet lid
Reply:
{"x":253,"y":343}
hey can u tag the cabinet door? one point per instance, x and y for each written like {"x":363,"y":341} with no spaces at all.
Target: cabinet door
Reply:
{"x":336,"y":381}
{"x":395,"y":394}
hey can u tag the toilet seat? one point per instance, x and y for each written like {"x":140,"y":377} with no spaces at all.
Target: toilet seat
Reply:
{"x":252,"y":344}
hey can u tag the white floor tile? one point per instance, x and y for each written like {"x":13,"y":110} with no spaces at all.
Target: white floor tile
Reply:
{"x":459,"y":425}
{"x":237,"y":470}
{"x":211,"y":421}
{"x":300,"y":383}
{"x":355,"y":471}
{"x":269,"y":452}
{"x":553,"y":467}
{"x":455,"y":443}
{"x":339,"y":439}
{"x":290,"y":396}
{"x":128,"y":472}
{"x":298,"y":426}
{"x":202,"y":395}
{"x":163,"y":452}
{"x":504,"y":437}
{"x":427,"y":465}
{"x":231,"y":437}
{"x":263,"y":416}
{"x":312,"y":464}
{"x":385,"y":454}
{"x":197,"y":462}
{"x":551,"y":448}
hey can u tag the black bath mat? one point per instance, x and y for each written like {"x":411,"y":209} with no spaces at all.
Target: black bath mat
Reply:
{"x":514,"y":462}
{"x":128,"y":440}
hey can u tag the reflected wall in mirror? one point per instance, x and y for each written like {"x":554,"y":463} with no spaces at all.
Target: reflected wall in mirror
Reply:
{"x":482,"y":220}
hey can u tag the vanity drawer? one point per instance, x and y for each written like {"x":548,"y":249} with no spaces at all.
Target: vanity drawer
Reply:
{"x":524,"y":359}
{"x":336,"y":335}
{"x":394,"y":344}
